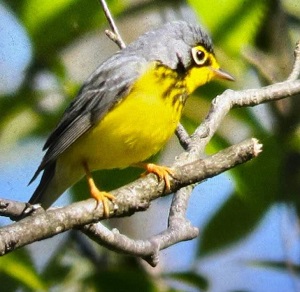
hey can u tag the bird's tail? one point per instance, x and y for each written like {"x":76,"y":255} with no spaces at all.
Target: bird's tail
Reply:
{"x":40,"y":195}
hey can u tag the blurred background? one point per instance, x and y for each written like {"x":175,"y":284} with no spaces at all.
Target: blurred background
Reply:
{"x":248,"y":217}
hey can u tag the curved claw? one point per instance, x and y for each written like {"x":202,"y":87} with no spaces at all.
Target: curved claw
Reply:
{"x":102,"y":197}
{"x":163,"y":173}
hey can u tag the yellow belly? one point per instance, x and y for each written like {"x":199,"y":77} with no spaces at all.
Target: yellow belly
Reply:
{"x":131,"y":132}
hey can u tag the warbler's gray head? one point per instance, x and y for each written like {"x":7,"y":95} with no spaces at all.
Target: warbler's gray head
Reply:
{"x":172,"y":43}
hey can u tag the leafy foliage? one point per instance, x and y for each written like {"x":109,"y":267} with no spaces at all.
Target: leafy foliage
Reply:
{"x":191,"y":278}
{"x":17,"y":269}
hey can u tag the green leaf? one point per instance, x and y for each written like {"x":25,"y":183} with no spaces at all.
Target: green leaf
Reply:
{"x":19,"y":268}
{"x":43,"y":11}
{"x":128,"y":279}
{"x":191,"y":278}
{"x":277,"y":265}
{"x":56,"y":272}
{"x":233,"y":24}
{"x":233,"y":221}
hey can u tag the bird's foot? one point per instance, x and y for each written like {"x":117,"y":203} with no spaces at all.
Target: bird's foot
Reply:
{"x":163,"y":173}
{"x":103,"y":198}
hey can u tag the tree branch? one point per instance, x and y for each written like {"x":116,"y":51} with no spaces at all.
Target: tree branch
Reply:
{"x":296,"y":68}
{"x":183,"y":136}
{"x":129,"y":199}
{"x":113,"y":34}
{"x":223,"y":103}
{"x":137,"y":196}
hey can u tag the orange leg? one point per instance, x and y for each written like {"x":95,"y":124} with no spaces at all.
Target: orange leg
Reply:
{"x":100,"y":197}
{"x":162,"y":172}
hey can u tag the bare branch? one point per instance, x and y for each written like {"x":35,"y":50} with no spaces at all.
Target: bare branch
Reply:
{"x":129,"y":199}
{"x":223,"y":103}
{"x":9,"y":208}
{"x":296,"y":68}
{"x":261,"y":62}
{"x":114,"y":34}
{"x":137,"y":196}
{"x":179,"y":228}
{"x":182,"y":136}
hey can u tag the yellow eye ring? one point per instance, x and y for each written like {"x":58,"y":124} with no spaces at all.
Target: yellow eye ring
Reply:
{"x":199,"y":56}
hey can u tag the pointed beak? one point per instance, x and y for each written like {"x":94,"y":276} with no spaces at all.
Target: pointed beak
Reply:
{"x":221,"y":74}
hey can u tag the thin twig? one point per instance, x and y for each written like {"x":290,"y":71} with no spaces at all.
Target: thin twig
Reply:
{"x":114,"y":34}
{"x":296,"y":68}
{"x":147,"y":249}
{"x":183,"y":136}
{"x":261,"y":62}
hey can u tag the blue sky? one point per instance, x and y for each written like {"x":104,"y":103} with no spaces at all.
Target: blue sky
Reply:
{"x":15,"y":51}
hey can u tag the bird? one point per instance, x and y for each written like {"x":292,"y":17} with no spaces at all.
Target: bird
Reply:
{"x":127,"y":110}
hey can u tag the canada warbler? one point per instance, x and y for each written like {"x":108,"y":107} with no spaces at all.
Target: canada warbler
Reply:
{"x":127,"y":110}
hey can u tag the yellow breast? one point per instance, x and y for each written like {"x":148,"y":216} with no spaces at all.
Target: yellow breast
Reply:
{"x":136,"y":128}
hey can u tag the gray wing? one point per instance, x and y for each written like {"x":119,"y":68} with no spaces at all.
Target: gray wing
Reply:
{"x":104,"y":88}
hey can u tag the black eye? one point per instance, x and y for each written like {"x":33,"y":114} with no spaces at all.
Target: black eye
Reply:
{"x":199,"y":56}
